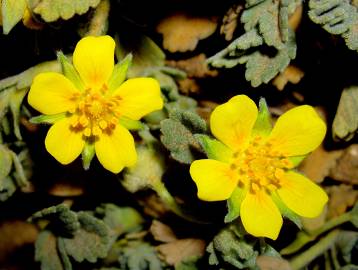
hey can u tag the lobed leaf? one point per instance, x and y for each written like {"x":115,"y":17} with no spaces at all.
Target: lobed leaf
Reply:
{"x":338,"y":17}
{"x":178,"y":134}
{"x":345,"y":123}
{"x":90,"y":242}
{"x":12,"y":12}
{"x":52,"y":10}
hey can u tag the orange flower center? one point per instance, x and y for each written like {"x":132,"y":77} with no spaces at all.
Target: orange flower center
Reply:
{"x":259,"y":167}
{"x":95,"y":112}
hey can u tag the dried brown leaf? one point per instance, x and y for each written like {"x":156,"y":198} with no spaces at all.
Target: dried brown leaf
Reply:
{"x":196,"y":66}
{"x":291,"y":74}
{"x":188,"y":86}
{"x":67,"y":187}
{"x":205,"y":109}
{"x":162,"y":232}
{"x":15,"y":234}
{"x":178,"y":251}
{"x":272,"y":263}
{"x":182,"y":32}
{"x":230,"y":21}
{"x":346,"y":169}
{"x":153,"y":206}
{"x":341,"y":197}
{"x":319,"y":163}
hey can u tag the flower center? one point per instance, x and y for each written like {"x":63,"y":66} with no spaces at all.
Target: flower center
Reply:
{"x":259,"y":167}
{"x":95,"y":113}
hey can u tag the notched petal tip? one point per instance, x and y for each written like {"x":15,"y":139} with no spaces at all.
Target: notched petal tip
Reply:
{"x":232,"y":122}
{"x":93,"y":58}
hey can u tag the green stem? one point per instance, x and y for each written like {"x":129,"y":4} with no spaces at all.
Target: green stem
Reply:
{"x":99,"y":22}
{"x":168,"y":199}
{"x":346,"y":217}
{"x":313,"y":252}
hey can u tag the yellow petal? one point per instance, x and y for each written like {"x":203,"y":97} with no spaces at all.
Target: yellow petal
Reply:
{"x":260,"y":216}
{"x":94,"y":60}
{"x":301,"y":195}
{"x":232,"y":122}
{"x":52,"y":93}
{"x":298,"y":131}
{"x":63,"y":143}
{"x":139,"y":97}
{"x":214,"y":179}
{"x":116,"y":150}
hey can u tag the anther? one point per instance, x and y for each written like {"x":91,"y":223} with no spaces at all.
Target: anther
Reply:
{"x":87,"y":132}
{"x":83,"y":120}
{"x":103,"y":124}
{"x":96,"y":131}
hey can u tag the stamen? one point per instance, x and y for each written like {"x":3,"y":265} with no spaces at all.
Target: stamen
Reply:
{"x":259,"y":166}
{"x":96,"y":131}
{"x":83,"y":120}
{"x":87,"y":132}
{"x":103,"y":124}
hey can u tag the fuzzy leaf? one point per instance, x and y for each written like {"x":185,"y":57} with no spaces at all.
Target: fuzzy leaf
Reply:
{"x":12,"y":12}
{"x":229,"y":247}
{"x":8,"y":188}
{"x":136,"y":255}
{"x":338,"y":17}
{"x":148,"y":170}
{"x":265,"y":15}
{"x":265,"y":21}
{"x":90,"y":242}
{"x":46,"y":252}
{"x":345,"y":123}
{"x":120,"y":219}
{"x":178,"y":134}
{"x":52,"y":10}
{"x":60,"y":214}
{"x":15,"y":105}
{"x":262,"y":68}
{"x":5,"y":100}
{"x":5,"y":164}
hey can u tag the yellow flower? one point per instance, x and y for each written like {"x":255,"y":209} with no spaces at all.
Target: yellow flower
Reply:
{"x":252,"y":165}
{"x":88,"y":110}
